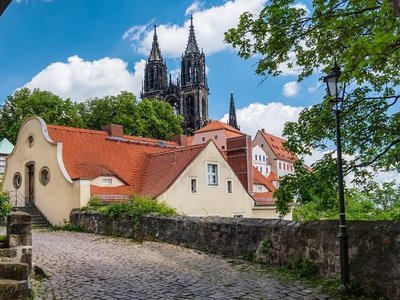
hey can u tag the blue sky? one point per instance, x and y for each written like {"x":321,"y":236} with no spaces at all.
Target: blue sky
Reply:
{"x":83,"y":49}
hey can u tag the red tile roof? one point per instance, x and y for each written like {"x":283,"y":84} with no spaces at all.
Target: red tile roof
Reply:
{"x":88,"y":154}
{"x":276,"y":145}
{"x":264,"y":199}
{"x":218,"y":125}
{"x":259,"y":178}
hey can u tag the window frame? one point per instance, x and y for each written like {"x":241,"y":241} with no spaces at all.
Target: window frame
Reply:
{"x":216,"y":175}
{"x":231,"y":186}
{"x":196,"y":191}
{"x":41,"y":178}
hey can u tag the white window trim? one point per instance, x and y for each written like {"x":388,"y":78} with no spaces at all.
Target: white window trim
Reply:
{"x":227,"y":191}
{"x":218,"y":175}
{"x":190,"y":186}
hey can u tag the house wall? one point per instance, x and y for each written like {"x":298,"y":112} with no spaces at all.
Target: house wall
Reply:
{"x":269,"y":212}
{"x":260,"y":164}
{"x":260,"y":141}
{"x":56,"y":199}
{"x":220,"y":141}
{"x":209,"y":200}
{"x":284,"y":168}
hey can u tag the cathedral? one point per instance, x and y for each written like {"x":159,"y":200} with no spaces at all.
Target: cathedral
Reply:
{"x":188,"y":95}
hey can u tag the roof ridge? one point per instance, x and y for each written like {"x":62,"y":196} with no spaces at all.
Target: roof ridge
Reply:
{"x":180,"y":149}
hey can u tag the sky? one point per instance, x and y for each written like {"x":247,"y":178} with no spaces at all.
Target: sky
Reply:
{"x":92,"y":48}
{"x":85,"y":49}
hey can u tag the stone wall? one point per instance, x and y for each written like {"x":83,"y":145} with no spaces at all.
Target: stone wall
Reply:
{"x":16,"y":257}
{"x":374,"y":246}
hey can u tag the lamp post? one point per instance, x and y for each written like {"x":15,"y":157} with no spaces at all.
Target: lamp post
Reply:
{"x":332,"y":81}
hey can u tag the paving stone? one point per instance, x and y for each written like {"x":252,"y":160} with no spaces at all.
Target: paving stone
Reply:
{"x":88,"y":266}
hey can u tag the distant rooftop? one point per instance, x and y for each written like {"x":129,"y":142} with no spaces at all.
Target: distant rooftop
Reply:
{"x":6,"y":147}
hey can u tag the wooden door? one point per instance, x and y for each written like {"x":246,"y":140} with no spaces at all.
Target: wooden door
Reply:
{"x":31,"y":184}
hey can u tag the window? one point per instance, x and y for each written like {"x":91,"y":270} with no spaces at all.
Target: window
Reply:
{"x":262,"y":145}
{"x":44,"y":176}
{"x":193,"y":185}
{"x":30,"y":140}
{"x":107,"y":181}
{"x":212,"y":174}
{"x":237,"y":216}
{"x":284,"y":166}
{"x":215,"y":137}
{"x":280,"y":167}
{"x":203,"y":139}
{"x":229,"y":186}
{"x":2,"y":164}
{"x":17,"y":180}
{"x":222,"y":147}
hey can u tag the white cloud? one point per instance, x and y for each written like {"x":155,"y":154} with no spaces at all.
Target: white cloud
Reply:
{"x":80,"y":80}
{"x":291,"y":89}
{"x":272,"y":117}
{"x":194,"y":7}
{"x":210,"y":25}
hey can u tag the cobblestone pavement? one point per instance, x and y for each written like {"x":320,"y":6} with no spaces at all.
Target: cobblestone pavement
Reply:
{"x":88,"y":266}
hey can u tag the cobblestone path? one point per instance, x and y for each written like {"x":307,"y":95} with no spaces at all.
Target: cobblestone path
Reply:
{"x":88,"y":266}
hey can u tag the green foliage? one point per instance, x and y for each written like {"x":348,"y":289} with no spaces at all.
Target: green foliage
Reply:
{"x":94,"y":201}
{"x":5,"y":205}
{"x":363,"y":38}
{"x":303,"y":268}
{"x":25,"y":103}
{"x":152,"y":119}
{"x":359,"y":206}
{"x":3,"y":238}
{"x":134,"y":208}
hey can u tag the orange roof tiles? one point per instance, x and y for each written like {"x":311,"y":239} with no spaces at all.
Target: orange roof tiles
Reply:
{"x":88,"y":154}
{"x":259,"y":178}
{"x":218,"y":125}
{"x":264,"y":199}
{"x":276,"y":145}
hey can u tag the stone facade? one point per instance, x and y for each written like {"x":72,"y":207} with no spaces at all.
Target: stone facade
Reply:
{"x":374,"y":246}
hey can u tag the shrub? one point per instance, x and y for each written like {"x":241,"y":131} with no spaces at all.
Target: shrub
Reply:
{"x":133,"y":208}
{"x":303,"y":268}
{"x":5,"y":205}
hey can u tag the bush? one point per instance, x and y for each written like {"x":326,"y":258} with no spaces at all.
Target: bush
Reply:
{"x":133,"y":208}
{"x":5,"y":205}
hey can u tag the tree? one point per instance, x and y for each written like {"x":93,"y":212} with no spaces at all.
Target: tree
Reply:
{"x":160,"y":121}
{"x":363,"y":38}
{"x":25,"y":103}
{"x":149,"y":118}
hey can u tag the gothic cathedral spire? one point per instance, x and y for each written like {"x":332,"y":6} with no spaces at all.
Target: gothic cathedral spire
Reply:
{"x":189,"y":95}
{"x":232,"y":114}
{"x":155,"y":75}
{"x":194,"y":87}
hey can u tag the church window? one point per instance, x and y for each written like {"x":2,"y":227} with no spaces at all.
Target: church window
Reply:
{"x":212,"y":174}
{"x":44,"y":176}
{"x":193,"y":185}
{"x":17,"y":180}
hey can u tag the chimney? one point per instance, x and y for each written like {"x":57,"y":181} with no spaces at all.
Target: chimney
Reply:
{"x":239,"y":156}
{"x":263,"y":130}
{"x":181,"y":139}
{"x":114,"y":130}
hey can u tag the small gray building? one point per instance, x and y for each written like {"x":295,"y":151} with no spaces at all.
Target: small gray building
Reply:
{"x":5,"y":149}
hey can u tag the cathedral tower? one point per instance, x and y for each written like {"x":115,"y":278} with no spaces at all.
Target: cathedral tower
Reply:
{"x":232,"y":114}
{"x":189,"y":95}
{"x":155,"y":74}
{"x":194,"y":87}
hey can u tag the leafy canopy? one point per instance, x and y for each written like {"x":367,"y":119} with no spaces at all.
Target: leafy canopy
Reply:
{"x":153,"y":119}
{"x":363,"y":37}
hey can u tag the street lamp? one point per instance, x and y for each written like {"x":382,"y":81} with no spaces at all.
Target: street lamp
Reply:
{"x":337,"y":96}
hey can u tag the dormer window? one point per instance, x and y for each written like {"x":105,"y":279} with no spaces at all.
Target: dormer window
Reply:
{"x":107,"y":181}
